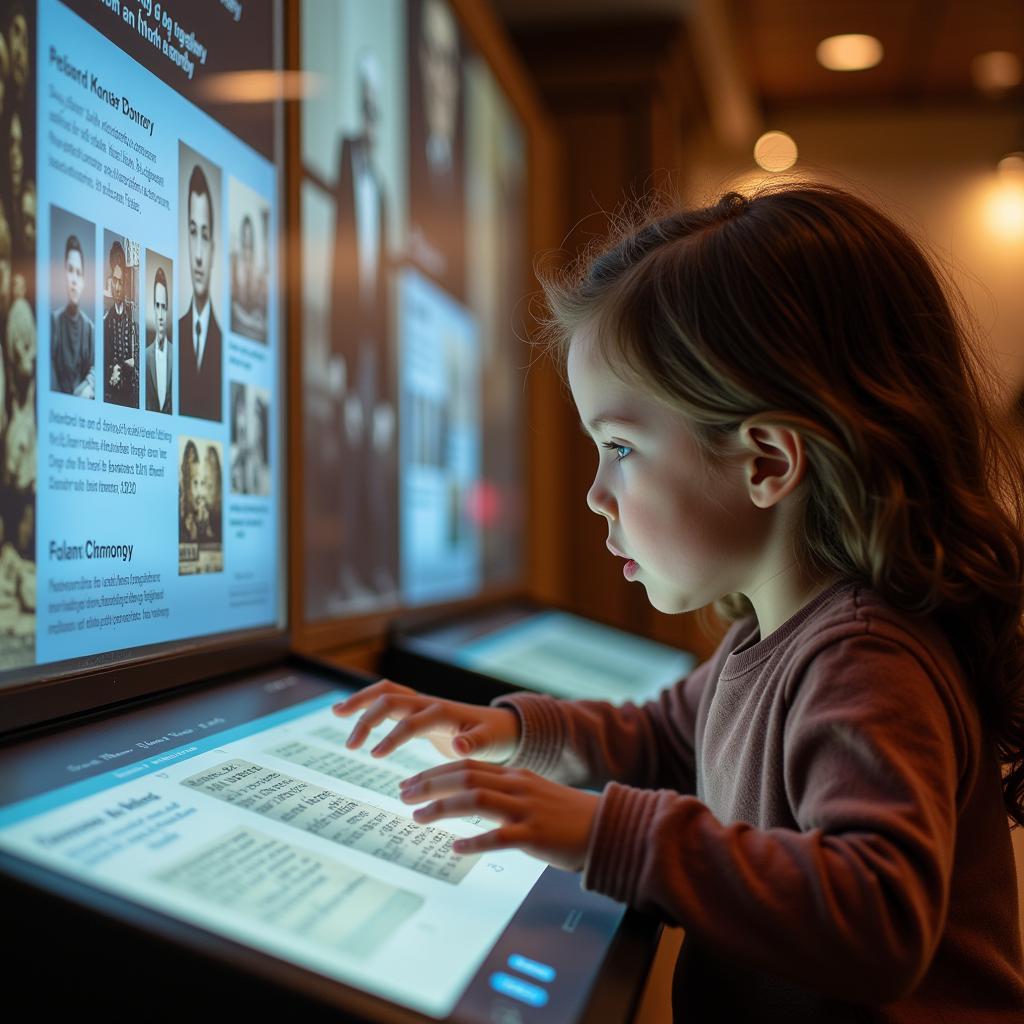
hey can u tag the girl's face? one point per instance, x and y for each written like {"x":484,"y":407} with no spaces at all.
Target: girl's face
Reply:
{"x":687,"y":529}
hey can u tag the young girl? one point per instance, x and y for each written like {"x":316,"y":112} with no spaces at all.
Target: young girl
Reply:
{"x":789,"y":423}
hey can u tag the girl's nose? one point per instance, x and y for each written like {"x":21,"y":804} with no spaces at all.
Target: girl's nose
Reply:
{"x":600,"y":501}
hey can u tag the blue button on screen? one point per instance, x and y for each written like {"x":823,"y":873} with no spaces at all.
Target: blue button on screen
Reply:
{"x":531,"y":968}
{"x":518,"y":989}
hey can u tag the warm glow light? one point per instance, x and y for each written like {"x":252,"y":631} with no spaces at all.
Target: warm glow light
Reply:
{"x":1005,"y":211}
{"x":996,"y":72}
{"x":1011,"y":167}
{"x":852,"y":52}
{"x":775,"y":151}
{"x":261,"y":86}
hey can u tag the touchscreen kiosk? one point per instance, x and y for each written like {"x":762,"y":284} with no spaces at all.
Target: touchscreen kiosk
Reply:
{"x":512,"y":646}
{"x":238,"y":812}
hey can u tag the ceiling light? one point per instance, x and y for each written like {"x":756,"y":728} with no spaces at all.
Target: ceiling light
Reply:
{"x":775,"y":151}
{"x":996,"y":72}
{"x":1011,"y":167}
{"x":258,"y":86}
{"x":1005,"y":213}
{"x":849,"y":52}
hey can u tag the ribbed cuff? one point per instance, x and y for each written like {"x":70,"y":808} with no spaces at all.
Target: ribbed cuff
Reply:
{"x":541,"y":734}
{"x":619,"y":840}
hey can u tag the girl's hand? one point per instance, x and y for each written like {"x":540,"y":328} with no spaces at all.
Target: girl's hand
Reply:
{"x":454,"y":729}
{"x":547,"y":820}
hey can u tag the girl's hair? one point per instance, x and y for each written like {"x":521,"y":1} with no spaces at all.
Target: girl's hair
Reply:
{"x":805,"y":307}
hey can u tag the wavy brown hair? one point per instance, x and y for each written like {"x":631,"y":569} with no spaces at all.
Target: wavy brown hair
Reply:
{"x":804,"y":306}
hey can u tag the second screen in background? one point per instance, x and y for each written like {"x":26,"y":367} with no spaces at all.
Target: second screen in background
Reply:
{"x":412,"y":185}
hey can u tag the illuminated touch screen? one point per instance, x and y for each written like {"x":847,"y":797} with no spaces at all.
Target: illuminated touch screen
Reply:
{"x":413,"y":225}
{"x":556,"y":652}
{"x":240,"y":811}
{"x":140,"y":495}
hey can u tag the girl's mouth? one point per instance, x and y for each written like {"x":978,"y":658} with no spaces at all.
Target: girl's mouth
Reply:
{"x":630,"y":569}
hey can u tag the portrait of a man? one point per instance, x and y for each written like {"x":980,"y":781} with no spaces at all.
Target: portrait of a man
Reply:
{"x":366,"y":423}
{"x":249,"y":219}
{"x":199,"y":333}
{"x":72,"y":336}
{"x":250,"y":440}
{"x":159,"y":353}
{"x":120,"y":334}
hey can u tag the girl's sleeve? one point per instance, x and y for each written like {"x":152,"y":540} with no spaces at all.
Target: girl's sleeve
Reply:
{"x":850,"y":903}
{"x":587,"y":743}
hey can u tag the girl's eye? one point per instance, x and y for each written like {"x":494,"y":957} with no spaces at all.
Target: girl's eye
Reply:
{"x":621,"y":450}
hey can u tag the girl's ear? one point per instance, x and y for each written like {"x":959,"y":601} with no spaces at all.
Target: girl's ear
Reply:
{"x":775,"y":461}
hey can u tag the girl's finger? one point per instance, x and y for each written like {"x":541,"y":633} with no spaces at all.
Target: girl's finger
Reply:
{"x":458,"y":782}
{"x":452,"y":776}
{"x":496,"y":806}
{"x":412,"y":725}
{"x":393,"y":705}
{"x":366,"y":696}
{"x":508,"y":837}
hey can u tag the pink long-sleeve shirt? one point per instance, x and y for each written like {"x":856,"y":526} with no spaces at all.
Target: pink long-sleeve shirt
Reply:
{"x":821,"y":813}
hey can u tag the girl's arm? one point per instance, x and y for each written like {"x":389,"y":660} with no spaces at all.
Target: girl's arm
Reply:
{"x":852,"y":900}
{"x":588,"y":743}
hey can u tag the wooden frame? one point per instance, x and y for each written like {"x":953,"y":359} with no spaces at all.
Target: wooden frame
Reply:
{"x":356,"y":639}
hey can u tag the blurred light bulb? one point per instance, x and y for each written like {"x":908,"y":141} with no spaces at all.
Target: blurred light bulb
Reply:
{"x":775,"y":152}
{"x":259,"y":86}
{"x":852,"y":52}
{"x":1005,"y":211}
{"x":996,"y":72}
{"x":1011,"y":167}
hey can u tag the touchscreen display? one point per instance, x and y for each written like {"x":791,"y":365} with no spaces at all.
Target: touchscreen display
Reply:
{"x":240,"y":811}
{"x":140,"y":494}
{"x":412,"y":184}
{"x":558,"y":653}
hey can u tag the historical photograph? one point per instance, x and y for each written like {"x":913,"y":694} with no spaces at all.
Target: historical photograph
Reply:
{"x":436,"y":146}
{"x":200,"y":506}
{"x":250,"y":440}
{"x":159,"y":341}
{"x":354,"y":220}
{"x":121,"y":356}
{"x":72,"y":330}
{"x":249,"y":219}
{"x":200,"y":343}
{"x":18,"y":336}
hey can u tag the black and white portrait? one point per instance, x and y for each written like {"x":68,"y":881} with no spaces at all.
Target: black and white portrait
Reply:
{"x":200,"y":506}
{"x":200,"y":341}
{"x":250,"y":440}
{"x":72,"y":292}
{"x":121,"y":356}
{"x":249,"y":218}
{"x":159,"y":361}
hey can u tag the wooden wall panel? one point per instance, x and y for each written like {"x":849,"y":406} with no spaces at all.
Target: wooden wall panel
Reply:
{"x":622,"y":98}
